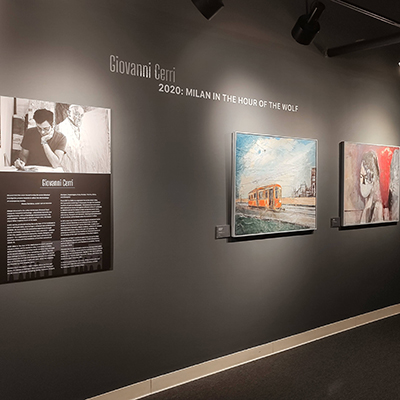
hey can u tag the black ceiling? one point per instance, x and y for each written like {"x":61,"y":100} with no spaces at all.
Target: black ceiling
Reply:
{"x":341,"y":26}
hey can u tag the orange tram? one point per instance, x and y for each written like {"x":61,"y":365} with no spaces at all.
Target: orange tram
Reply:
{"x":269,"y":197}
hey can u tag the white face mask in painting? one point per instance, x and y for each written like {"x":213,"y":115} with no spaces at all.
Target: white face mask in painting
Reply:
{"x":366,"y":181}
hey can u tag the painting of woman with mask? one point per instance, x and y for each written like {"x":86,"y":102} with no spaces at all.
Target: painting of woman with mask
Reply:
{"x":368,"y":181}
{"x":370,"y":189}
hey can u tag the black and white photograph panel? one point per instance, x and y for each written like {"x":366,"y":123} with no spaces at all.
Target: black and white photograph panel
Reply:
{"x":46,"y":136}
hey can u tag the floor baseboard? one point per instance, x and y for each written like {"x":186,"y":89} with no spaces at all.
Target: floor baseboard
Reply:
{"x":145,"y":388}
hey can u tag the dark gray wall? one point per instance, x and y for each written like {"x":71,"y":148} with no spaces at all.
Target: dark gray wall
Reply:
{"x":177,"y":296}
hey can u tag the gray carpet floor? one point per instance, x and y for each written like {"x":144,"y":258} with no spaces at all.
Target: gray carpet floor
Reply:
{"x":360,"y":364}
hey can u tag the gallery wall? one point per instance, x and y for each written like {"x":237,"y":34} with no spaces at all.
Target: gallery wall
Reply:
{"x":177,"y":296}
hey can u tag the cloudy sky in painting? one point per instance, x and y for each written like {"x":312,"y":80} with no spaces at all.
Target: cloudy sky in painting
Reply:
{"x":264,"y":160}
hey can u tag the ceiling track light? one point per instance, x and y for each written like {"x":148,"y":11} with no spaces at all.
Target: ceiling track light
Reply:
{"x":208,"y":7}
{"x":307,"y":26}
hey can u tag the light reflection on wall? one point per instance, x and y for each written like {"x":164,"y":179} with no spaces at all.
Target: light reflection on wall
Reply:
{"x":373,"y":124}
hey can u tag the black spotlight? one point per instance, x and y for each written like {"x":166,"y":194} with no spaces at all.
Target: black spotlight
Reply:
{"x":208,"y":7}
{"x":307,"y":26}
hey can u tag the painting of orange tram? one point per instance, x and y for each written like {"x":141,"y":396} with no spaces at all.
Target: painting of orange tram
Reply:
{"x":269,"y":197}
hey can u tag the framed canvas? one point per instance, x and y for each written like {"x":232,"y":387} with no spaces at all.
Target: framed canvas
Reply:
{"x":274,"y":184}
{"x":369,"y":183}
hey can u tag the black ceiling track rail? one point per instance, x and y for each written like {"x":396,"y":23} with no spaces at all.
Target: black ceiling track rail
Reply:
{"x":367,"y":12}
{"x":365,"y":44}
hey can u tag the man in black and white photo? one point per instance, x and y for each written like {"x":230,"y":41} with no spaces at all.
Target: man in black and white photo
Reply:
{"x":42,"y":145}
{"x":70,"y":127}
